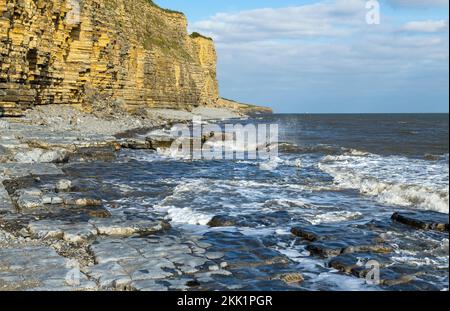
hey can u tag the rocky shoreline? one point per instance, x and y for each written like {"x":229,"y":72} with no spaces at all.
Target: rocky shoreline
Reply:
{"x":57,"y":233}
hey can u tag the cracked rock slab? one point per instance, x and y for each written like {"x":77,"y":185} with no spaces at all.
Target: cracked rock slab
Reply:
{"x":138,"y":263}
{"x":122,"y":226}
{"x":41,"y":156}
{"x":40,"y":268}
{"x":15,"y":170}
{"x":54,"y":229}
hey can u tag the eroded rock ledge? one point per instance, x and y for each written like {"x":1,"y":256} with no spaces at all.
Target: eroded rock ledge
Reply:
{"x":55,"y":236}
{"x":58,"y":227}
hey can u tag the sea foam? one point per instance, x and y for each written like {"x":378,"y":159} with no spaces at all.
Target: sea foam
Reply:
{"x":392,"y":180}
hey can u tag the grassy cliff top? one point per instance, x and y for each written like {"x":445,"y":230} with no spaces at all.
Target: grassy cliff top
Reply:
{"x":163,"y":9}
{"x":198,"y":35}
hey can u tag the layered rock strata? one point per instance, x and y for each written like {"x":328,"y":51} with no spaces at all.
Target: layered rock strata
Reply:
{"x":92,"y":52}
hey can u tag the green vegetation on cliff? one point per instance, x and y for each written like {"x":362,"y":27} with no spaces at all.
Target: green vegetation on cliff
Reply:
{"x":198,"y":35}
{"x":163,"y":9}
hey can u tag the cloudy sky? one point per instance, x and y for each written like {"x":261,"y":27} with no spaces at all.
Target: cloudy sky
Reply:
{"x":322,"y":56}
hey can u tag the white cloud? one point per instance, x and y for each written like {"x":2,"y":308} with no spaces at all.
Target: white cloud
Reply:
{"x":325,"y":49}
{"x":329,"y":32}
{"x":427,"y":26}
{"x":417,"y":3}
{"x":320,"y":19}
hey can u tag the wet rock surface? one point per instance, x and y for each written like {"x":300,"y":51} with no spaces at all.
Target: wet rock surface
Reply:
{"x":424,"y":221}
{"x":137,"y":263}
{"x":223,"y":221}
{"x":371,"y":250}
{"x":66,"y":238}
{"x":326,"y":242}
{"x":39,"y":268}
{"x":127,"y":226}
{"x":47,"y":222}
{"x":84,"y":225}
{"x":117,"y":248}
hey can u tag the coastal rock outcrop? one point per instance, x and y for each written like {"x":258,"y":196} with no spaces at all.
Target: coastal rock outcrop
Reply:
{"x":95,"y":53}
{"x":428,"y":221}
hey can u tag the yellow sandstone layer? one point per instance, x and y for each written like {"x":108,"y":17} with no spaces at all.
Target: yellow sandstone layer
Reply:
{"x":79,"y":52}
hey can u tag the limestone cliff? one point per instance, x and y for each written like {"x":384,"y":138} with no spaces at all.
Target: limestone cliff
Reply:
{"x":79,"y":51}
{"x":243,"y":108}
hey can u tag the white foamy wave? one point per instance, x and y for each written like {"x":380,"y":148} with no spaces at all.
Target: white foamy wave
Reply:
{"x":393,"y":180}
{"x":274,"y":162}
{"x":185,"y":188}
{"x":184,"y":215}
{"x":288,"y":203}
{"x":439,"y":262}
{"x":315,"y":269}
{"x":332,"y":217}
{"x":435,"y":255}
{"x":269,"y":165}
{"x":294,"y":162}
{"x":175,"y":154}
{"x":138,"y":155}
{"x":357,"y":153}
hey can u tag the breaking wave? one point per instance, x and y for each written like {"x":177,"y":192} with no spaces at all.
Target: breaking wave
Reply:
{"x":392,"y":180}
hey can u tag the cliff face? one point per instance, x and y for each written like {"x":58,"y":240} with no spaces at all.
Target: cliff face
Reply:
{"x":83,"y":51}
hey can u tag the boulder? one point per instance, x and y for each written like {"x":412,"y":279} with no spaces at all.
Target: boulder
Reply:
{"x":160,"y":142}
{"x":63,"y":185}
{"x":222,"y":221}
{"x":291,"y":278}
{"x":28,"y":198}
{"x":26,"y":201}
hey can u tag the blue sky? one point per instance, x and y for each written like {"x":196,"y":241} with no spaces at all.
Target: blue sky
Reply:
{"x":321,"y":56}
